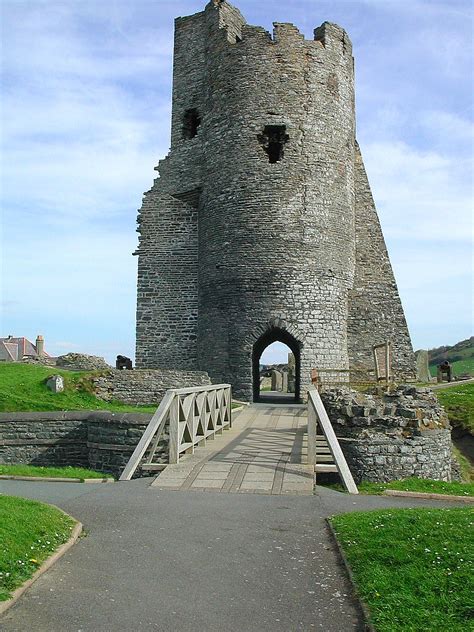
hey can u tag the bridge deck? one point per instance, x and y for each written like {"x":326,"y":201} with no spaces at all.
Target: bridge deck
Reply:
{"x":264,"y":453}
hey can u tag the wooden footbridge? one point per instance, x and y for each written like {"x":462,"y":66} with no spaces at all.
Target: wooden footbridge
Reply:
{"x":265,"y":449}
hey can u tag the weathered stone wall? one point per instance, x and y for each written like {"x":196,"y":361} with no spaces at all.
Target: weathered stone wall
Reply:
{"x":391,"y":436}
{"x":81,"y":362}
{"x":58,"y":438}
{"x":111,"y":439}
{"x":144,"y":387}
{"x":233,"y":246}
{"x":102,"y":441}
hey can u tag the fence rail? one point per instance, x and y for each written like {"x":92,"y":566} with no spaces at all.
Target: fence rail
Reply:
{"x":317,"y":416}
{"x":192,"y":414}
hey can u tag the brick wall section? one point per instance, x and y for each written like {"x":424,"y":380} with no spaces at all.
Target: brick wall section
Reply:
{"x":389,"y":437}
{"x":102,"y":441}
{"x":140,"y":387}
{"x":232,"y":246}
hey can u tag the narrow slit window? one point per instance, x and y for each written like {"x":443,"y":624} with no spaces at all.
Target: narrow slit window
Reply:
{"x":273,"y":141}
{"x":191,"y":123}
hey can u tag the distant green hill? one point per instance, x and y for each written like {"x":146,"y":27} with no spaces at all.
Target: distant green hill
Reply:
{"x":460,"y":355}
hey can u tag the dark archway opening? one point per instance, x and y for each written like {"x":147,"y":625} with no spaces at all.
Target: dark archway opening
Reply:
{"x":268,"y":338}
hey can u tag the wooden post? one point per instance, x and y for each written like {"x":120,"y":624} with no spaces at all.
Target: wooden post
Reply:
{"x":312,"y":432}
{"x":229,"y":404}
{"x":155,"y":426}
{"x":315,"y":401}
{"x":174,"y":431}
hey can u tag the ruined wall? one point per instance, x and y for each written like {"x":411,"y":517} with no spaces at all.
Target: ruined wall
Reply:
{"x":235,"y":243}
{"x":144,"y":388}
{"x":391,"y":436}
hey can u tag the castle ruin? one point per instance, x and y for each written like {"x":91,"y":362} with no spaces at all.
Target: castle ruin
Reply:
{"x":261,"y":226}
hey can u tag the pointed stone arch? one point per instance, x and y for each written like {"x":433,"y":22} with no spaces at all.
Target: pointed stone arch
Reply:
{"x":276,"y":332}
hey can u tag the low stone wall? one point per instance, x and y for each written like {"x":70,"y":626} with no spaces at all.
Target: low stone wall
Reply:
{"x":101,"y":441}
{"x":391,"y":436}
{"x":111,"y":439}
{"x":144,"y":386}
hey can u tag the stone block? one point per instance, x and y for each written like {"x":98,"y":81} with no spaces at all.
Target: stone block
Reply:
{"x":55,"y":383}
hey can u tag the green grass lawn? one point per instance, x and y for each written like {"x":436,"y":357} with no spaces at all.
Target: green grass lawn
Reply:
{"x":459,"y":367}
{"x":414,"y":568}
{"x":23,"y":388}
{"x":458,"y":401}
{"x":415,"y":485}
{"x":50,"y":472}
{"x":29,"y":533}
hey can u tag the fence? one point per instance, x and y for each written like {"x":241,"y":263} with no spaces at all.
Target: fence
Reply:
{"x":192,"y":414}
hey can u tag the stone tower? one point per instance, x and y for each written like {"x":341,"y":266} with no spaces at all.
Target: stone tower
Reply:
{"x":261,"y":226}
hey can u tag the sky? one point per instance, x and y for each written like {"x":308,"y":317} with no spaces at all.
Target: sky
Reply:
{"x":86,"y":116}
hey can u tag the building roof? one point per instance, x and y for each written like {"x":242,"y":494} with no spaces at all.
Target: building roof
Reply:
{"x":15,"y":349}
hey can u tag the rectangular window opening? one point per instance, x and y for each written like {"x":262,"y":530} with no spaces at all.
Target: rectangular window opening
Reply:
{"x":273,"y":140}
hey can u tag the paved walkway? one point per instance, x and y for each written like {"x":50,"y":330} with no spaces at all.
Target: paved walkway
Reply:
{"x":264,"y":452}
{"x":187,"y":562}
{"x":178,"y":561}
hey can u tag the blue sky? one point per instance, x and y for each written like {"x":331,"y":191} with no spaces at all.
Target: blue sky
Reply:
{"x":85,"y":118}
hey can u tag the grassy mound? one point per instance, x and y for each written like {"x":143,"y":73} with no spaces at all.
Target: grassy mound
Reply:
{"x":460,"y":355}
{"x":29,"y":533}
{"x":413,"y":567}
{"x":458,"y":400}
{"x":23,"y":388}
{"x":50,"y":472}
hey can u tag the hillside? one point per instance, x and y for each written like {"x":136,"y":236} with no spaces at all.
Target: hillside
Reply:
{"x":460,"y":355}
{"x":23,"y":388}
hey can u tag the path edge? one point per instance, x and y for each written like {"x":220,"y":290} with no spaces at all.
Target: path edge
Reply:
{"x":46,"y":565}
{"x":55,"y":479}
{"x":369,"y":627}
{"x":428,"y":496}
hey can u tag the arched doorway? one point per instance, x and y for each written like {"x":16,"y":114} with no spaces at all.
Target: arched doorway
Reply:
{"x":268,"y":338}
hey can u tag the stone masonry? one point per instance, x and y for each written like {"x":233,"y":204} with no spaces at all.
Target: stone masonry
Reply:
{"x":144,"y":388}
{"x":102,"y":441}
{"x":261,"y":225}
{"x":391,"y":436}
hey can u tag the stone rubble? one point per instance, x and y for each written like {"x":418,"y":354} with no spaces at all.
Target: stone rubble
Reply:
{"x":391,"y":435}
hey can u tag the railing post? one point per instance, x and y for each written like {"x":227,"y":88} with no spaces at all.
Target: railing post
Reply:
{"x":229,"y":404}
{"x":312,"y":432}
{"x":174,"y":431}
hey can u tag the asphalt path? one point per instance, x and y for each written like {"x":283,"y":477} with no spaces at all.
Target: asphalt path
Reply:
{"x":178,"y":561}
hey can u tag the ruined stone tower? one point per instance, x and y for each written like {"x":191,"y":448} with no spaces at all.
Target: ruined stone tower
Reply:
{"x":262,"y":226}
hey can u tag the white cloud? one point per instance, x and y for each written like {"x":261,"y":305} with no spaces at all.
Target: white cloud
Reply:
{"x":420,"y":195}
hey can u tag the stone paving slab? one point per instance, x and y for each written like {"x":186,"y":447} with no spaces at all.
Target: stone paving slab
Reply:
{"x":264,"y":452}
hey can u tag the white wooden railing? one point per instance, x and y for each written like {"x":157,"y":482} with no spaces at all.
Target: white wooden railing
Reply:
{"x":318,"y":417}
{"x":192,"y":414}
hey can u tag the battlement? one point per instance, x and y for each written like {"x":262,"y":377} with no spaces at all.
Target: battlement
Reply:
{"x":234,"y":29}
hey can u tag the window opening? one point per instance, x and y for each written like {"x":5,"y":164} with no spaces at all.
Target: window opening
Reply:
{"x":191,"y":123}
{"x":273,"y":141}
